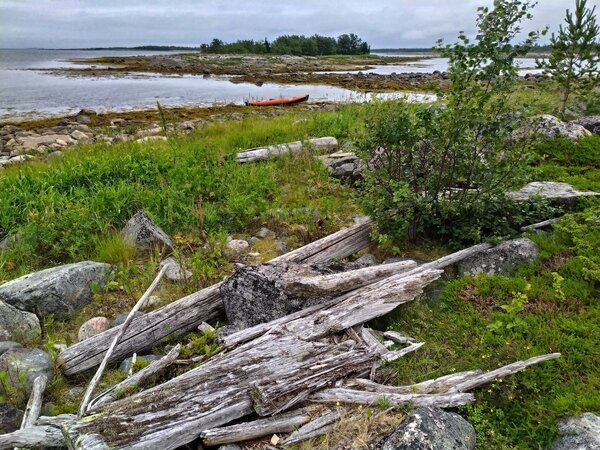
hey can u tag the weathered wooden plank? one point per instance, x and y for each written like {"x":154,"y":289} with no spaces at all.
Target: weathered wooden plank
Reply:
{"x":283,"y":423}
{"x":33,"y":437}
{"x":351,"y":396}
{"x":290,"y":148}
{"x":398,"y":338}
{"x":314,"y":428}
{"x":437,"y":385}
{"x":139,"y":379}
{"x":34,"y":405}
{"x":543,"y":224}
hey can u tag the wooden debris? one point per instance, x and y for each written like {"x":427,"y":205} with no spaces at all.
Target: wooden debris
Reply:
{"x":398,"y":338}
{"x":314,"y":428}
{"x":33,"y":437}
{"x":539,"y":225}
{"x":291,"y":148}
{"x":283,"y":423}
{"x":397,"y":354}
{"x":343,"y":395}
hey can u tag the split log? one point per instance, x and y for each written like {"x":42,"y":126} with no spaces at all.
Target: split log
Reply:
{"x":33,"y":437}
{"x":397,"y":354}
{"x":398,"y":338}
{"x":214,"y":394}
{"x":437,"y":385}
{"x":314,"y":428}
{"x":186,"y":314}
{"x":351,"y":396}
{"x":283,"y":423}
{"x":488,"y":377}
{"x":139,"y":379}
{"x":145,"y":331}
{"x":291,"y":148}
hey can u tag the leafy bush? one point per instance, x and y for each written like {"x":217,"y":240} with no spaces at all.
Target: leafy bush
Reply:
{"x":440,"y":171}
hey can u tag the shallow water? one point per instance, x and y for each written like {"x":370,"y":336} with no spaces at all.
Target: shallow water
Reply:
{"x":26,"y":93}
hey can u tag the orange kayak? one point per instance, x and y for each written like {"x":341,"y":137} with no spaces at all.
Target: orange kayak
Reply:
{"x":278,"y":101}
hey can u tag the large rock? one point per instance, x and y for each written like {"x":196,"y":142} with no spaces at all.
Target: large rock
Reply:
{"x":549,"y":127}
{"x":550,"y":190}
{"x":578,"y":433}
{"x":17,"y":325}
{"x":590,"y":123}
{"x":23,"y":366}
{"x":504,"y":258}
{"x":145,"y":234}
{"x":60,"y":291}
{"x":345,"y":166}
{"x":10,"y":418}
{"x":432,"y":429}
{"x":32,"y":142}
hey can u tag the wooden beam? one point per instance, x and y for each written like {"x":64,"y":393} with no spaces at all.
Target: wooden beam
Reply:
{"x":351,"y":396}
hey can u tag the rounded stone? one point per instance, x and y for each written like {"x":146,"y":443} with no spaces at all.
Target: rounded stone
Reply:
{"x":92,"y":327}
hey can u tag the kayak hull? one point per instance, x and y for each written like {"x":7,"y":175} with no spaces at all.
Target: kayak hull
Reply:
{"x":278,"y":101}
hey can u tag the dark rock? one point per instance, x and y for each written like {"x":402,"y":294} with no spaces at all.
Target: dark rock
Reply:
{"x":145,"y":234}
{"x":127,"y":363}
{"x":10,"y":418}
{"x":60,"y":291}
{"x":255,"y":294}
{"x":17,"y":325}
{"x":120,"y":319}
{"x":8,"y":345}
{"x":578,"y":433}
{"x":590,"y":123}
{"x":281,"y":247}
{"x":264,"y":233}
{"x":87,"y":112}
{"x":432,"y":429}
{"x":23,"y":366}
{"x":506,"y":257}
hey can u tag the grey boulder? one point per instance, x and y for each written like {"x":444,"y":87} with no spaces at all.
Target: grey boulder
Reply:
{"x":590,"y":123}
{"x":550,"y":190}
{"x":60,"y":291}
{"x":506,"y":257}
{"x":23,"y":366}
{"x":175,"y":272}
{"x":17,"y":325}
{"x":145,"y":234}
{"x":550,"y":127}
{"x":578,"y":433}
{"x":432,"y":429}
{"x":8,"y":345}
{"x":343,"y":165}
{"x":10,"y":418}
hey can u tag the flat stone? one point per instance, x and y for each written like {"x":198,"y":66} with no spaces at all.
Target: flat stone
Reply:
{"x":343,"y":165}
{"x":145,"y":234}
{"x":79,"y":135}
{"x":17,"y":325}
{"x":506,"y":257}
{"x":578,"y":433}
{"x":23,"y":366}
{"x":550,"y":190}
{"x":33,"y":142}
{"x":10,"y":418}
{"x":59,"y":291}
{"x":152,"y":138}
{"x":149,"y":132}
{"x":238,"y":245}
{"x":92,"y":327}
{"x":432,"y":429}
{"x":175,"y":272}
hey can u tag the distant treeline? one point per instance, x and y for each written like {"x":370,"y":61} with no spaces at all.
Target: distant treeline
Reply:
{"x":345,"y":44}
{"x":145,"y":47}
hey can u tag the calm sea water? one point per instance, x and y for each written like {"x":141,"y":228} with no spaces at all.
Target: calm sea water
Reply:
{"x":27,"y":93}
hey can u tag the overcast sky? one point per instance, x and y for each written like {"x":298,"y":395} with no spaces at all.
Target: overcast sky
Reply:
{"x":382,"y":23}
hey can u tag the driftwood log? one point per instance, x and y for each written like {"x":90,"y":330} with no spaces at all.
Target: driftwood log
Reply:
{"x":291,"y":148}
{"x":188,"y":313}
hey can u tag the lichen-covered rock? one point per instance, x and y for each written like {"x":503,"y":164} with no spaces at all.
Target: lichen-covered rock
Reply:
{"x":17,"y":325}
{"x":10,"y":418}
{"x":578,"y":433}
{"x":145,"y":234}
{"x":92,"y":327}
{"x":238,"y":245}
{"x":550,"y":190}
{"x":345,"y":166}
{"x":432,"y":429}
{"x":549,"y":127}
{"x":23,"y":366}
{"x":8,"y":345}
{"x":175,"y":272}
{"x":59,"y":291}
{"x":590,"y":123}
{"x":504,"y":258}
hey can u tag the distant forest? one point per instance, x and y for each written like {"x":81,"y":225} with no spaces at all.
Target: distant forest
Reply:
{"x":345,"y":44}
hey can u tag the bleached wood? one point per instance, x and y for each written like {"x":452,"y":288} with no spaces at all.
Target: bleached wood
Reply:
{"x":398,"y":338}
{"x":284,"y":423}
{"x":139,"y":379}
{"x":189,"y":312}
{"x":543,"y":224}
{"x":437,"y":385}
{"x":314,"y":428}
{"x":351,"y":396}
{"x":397,"y":354}
{"x":96,"y":379}
{"x":340,"y":283}
{"x":290,"y":148}
{"x":488,"y":377}
{"x":33,"y":437}
{"x":55,"y":421}
{"x":34,"y":405}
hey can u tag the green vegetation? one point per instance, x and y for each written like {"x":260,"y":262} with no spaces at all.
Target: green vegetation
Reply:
{"x":575,"y":54}
{"x":345,"y":44}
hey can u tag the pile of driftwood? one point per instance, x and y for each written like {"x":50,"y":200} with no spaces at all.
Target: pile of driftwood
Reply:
{"x":282,"y":376}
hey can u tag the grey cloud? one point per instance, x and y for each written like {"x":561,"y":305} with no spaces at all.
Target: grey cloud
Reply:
{"x":383,"y":23}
